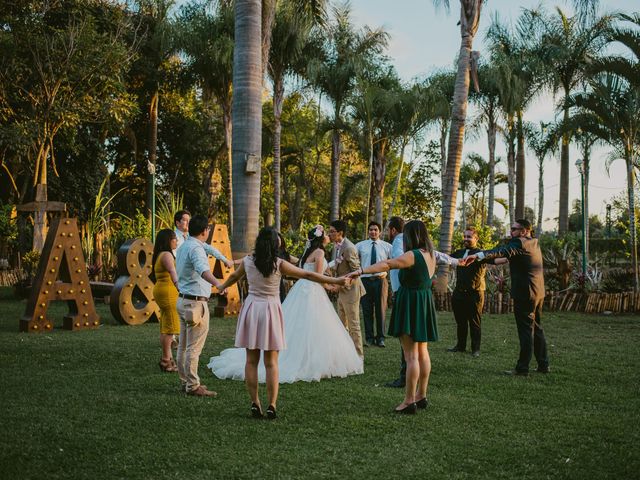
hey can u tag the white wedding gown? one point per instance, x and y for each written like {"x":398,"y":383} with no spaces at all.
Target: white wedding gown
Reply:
{"x":318,"y":345}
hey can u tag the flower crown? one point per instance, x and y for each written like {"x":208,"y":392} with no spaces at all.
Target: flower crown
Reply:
{"x":319,"y":231}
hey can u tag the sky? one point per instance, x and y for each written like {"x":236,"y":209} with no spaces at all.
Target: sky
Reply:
{"x":424,"y":38}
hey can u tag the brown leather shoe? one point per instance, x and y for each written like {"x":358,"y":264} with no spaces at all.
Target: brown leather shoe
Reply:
{"x":202,"y":391}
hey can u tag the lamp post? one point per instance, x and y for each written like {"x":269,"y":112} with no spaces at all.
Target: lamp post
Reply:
{"x":580,"y":167}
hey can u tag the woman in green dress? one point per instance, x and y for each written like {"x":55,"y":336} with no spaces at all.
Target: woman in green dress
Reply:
{"x":413,"y":318}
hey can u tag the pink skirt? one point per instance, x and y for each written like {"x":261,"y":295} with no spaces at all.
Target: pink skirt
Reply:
{"x":260,"y":324}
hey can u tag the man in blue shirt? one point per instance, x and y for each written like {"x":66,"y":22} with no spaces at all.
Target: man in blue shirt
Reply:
{"x":194,"y":284}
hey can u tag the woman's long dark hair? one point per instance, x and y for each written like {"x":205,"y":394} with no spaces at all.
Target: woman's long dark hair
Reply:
{"x":163,"y":244}
{"x":265,"y":255}
{"x":415,"y":235}
{"x":315,"y":243}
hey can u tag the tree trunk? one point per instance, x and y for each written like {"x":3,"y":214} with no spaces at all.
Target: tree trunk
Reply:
{"x":379,"y":173}
{"x":444,"y":129}
{"x":268,"y":17}
{"x":370,"y":183}
{"x":491,"y":138}
{"x":586,"y":165}
{"x":335,"y":175}
{"x":632,"y":220}
{"x":396,"y":186}
{"x":153,"y":146}
{"x":511,"y":168}
{"x":278,"y":101}
{"x":520,"y":169}
{"x":469,"y":18}
{"x":563,"y":214}
{"x":228,"y":140}
{"x":540,"y":197}
{"x":246,"y":124}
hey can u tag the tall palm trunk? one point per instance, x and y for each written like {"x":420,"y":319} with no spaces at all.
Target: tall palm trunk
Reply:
{"x":511,"y":168}
{"x":335,"y":175}
{"x":246,"y":124}
{"x":278,"y":101}
{"x":563,"y":214}
{"x":540,"y":197}
{"x":469,"y":19}
{"x":632,"y":218}
{"x":152,"y":146}
{"x":228,"y":135}
{"x":585,"y":205}
{"x":520,"y":168}
{"x":444,"y":129}
{"x":379,"y":173}
{"x":491,"y":138}
{"x":396,"y":186}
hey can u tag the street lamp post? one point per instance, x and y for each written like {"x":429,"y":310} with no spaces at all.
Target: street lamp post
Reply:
{"x":580,"y":167}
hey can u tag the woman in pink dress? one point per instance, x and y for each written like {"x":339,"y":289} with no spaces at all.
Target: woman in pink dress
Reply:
{"x":260,"y":323}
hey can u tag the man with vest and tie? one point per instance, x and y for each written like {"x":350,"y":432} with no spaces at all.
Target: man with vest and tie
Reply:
{"x":374,"y":302}
{"x":468,"y":295}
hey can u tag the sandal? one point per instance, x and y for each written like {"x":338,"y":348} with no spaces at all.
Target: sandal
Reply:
{"x":168,"y":366}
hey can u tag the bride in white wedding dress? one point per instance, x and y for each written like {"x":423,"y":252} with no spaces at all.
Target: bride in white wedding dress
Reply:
{"x":318,"y":345}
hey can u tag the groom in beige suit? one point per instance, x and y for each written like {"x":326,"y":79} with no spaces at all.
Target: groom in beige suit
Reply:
{"x":345,"y":259}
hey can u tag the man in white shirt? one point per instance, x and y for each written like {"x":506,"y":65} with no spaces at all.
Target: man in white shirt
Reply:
{"x":181,"y":220}
{"x":373,"y":303}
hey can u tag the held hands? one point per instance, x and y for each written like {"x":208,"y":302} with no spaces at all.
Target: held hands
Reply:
{"x":229,"y":263}
{"x":345,"y":281}
{"x":355,"y":274}
{"x":465,"y":262}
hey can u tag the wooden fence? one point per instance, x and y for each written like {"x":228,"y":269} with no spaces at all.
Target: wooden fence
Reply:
{"x":597,"y":302}
{"x":9,"y":278}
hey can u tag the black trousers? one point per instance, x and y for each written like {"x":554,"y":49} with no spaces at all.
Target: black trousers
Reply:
{"x":532,"y":341}
{"x":467,"y":310}
{"x":372,"y":309}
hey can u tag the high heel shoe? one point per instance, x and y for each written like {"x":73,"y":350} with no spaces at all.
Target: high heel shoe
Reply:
{"x":410,"y":409}
{"x":422,"y":403}
{"x":271,"y":412}
{"x":167,"y":366}
{"x":255,"y":411}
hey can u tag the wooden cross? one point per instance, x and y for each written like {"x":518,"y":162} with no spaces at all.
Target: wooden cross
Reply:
{"x":40,"y":207}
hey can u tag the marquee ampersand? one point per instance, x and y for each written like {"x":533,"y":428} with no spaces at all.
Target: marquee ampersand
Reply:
{"x":228,"y":304}
{"x":132,"y":301}
{"x":62,"y":275}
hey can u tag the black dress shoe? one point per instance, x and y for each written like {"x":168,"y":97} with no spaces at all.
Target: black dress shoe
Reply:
{"x":255,"y":411}
{"x":475,"y":354}
{"x":410,"y":409}
{"x":516,"y":373}
{"x":455,"y":349}
{"x":271,"y":412}
{"x":543,"y":370}
{"x":381,"y":343}
{"x":369,"y":343}
{"x":397,"y":383}
{"x":422,"y":403}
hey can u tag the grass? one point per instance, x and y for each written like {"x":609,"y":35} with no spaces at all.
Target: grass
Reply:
{"x":94,"y":404}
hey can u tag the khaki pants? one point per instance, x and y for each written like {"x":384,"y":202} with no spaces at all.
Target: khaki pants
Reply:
{"x":194,"y":327}
{"x":349,"y":313}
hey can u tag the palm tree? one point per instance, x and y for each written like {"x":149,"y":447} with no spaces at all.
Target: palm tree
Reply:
{"x":542,"y":140}
{"x":207,"y":41}
{"x":346,"y":52}
{"x":569,"y":44}
{"x":488,"y":102}
{"x":290,"y":38}
{"x":469,"y":20}
{"x":610,"y":110}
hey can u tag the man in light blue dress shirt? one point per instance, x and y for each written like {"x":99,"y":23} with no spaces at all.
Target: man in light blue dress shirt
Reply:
{"x":194,"y":286}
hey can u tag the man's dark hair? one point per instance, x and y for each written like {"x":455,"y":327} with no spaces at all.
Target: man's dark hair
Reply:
{"x":340,"y":226}
{"x":524,"y":223}
{"x":397,"y":223}
{"x":472,"y":229}
{"x":373,"y":222}
{"x":179,"y":214}
{"x":197,"y":225}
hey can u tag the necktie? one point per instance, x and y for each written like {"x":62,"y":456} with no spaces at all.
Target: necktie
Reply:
{"x":374,"y":256}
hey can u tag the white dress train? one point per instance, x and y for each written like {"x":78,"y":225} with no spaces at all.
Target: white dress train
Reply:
{"x":318,"y":345}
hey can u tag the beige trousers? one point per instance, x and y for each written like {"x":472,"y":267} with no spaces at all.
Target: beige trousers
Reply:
{"x":194,"y":327}
{"x":349,"y":313}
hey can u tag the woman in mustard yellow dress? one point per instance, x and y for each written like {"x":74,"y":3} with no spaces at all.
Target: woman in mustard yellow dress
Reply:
{"x":165,"y":293}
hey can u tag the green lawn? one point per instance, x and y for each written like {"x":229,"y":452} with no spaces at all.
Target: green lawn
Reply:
{"x":94,"y":404}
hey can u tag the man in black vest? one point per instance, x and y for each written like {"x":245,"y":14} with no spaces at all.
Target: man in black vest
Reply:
{"x":527,"y":290}
{"x":468,"y":296}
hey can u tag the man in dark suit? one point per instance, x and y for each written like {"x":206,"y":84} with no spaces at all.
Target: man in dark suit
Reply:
{"x":468,"y":296}
{"x":527,"y":290}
